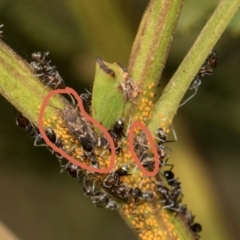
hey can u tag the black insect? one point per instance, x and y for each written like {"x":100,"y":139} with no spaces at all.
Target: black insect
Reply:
{"x":141,"y":147}
{"x":27,"y":126}
{"x":47,"y":73}
{"x":99,"y":198}
{"x":142,"y":150}
{"x":41,"y":57}
{"x":116,"y":133}
{"x":93,"y":161}
{"x":111,"y":204}
{"x":113,"y":183}
{"x":206,"y":69}
{"x":83,"y":132}
{"x":86,"y":142}
{"x":162,"y":139}
{"x":118,"y":128}
{"x":41,"y":64}
{"x":53,"y":79}
{"x":37,"y":67}
{"x":196,"y":228}
{"x":89,"y":189}
{"x":87,"y":101}
{"x":80,"y":130}
{"x":51,"y":135}
{"x":39,"y":141}
{"x":73,"y":170}
{"x":33,"y":132}
{"x":122,"y":192}
{"x":162,"y":136}
{"x":123,"y":171}
{"x":102,"y":142}
{"x":171,"y":197}
{"x":147,"y":195}
{"x":189,"y":219}
{"x":187,"y":215}
{"x":164,"y":193}
{"x":113,"y":179}
{"x":148,"y":163}
{"x":170,"y":177}
{"x":63,"y":162}
{"x":209,"y":65}
{"x":103,"y":200}
{"x":139,"y":195}
{"x":88,"y":145}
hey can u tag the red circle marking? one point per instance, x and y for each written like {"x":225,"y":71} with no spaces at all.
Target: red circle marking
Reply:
{"x":154,"y":149}
{"x":68,"y":90}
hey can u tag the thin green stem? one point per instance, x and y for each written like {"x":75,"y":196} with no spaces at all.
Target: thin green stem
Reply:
{"x":152,"y":45}
{"x":147,"y":60}
{"x":153,"y":40}
{"x":167,"y":106}
{"x":21,"y":88}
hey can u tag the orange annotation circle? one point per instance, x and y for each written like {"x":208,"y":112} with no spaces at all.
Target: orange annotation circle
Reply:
{"x":68,"y":90}
{"x":137,"y":124}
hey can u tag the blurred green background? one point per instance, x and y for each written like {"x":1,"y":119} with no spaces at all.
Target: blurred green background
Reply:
{"x":36,"y":202}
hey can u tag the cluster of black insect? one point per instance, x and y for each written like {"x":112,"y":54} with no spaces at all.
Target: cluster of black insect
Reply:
{"x":90,"y":188}
{"x":171,"y":197}
{"x":100,"y":192}
{"x":108,"y":190}
{"x":99,"y":198}
{"x":33,"y":132}
{"x":50,"y":77}
{"x":47,"y":73}
{"x":206,"y":69}
{"x":84,"y":134}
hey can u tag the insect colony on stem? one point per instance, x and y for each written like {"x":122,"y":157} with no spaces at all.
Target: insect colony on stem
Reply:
{"x":112,"y":189}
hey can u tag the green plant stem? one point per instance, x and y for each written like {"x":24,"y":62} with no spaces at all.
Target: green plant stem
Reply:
{"x":153,"y":40}
{"x":167,"y":105}
{"x":147,"y":60}
{"x":152,"y":44}
{"x":146,"y":67}
{"x":22,"y":89}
